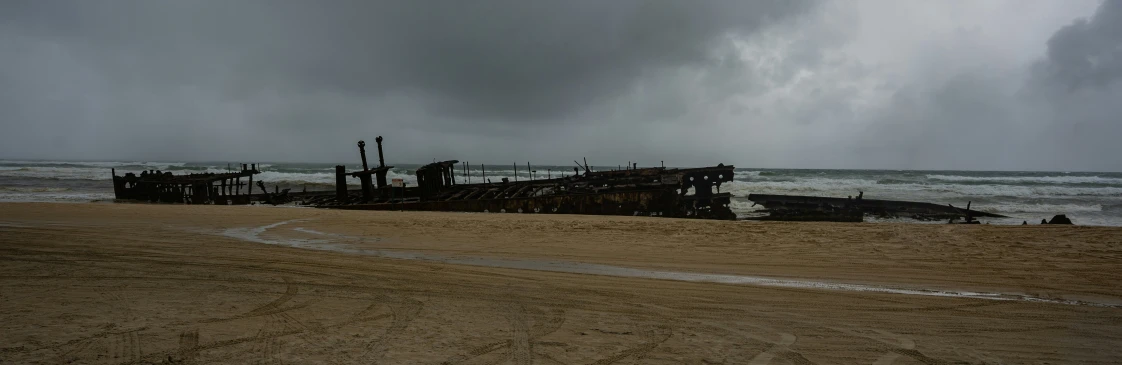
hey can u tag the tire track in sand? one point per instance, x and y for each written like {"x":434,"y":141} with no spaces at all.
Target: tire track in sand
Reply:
{"x":290,"y":292}
{"x":125,"y":346}
{"x":545,"y":323}
{"x":780,"y":348}
{"x":265,"y":343}
{"x":660,"y":334}
{"x":899,"y":345}
{"x":189,"y":345}
{"x":776,"y":348}
{"x":521,"y":349}
{"x":404,"y":311}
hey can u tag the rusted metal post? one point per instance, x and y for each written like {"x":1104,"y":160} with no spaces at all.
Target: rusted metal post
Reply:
{"x":362,"y":153}
{"x":381,"y":159}
{"x":528,"y":171}
{"x":484,"y":167}
{"x":340,"y":184}
{"x":515,"y":171}
{"x":381,"y":174}
{"x":238,"y":186}
{"x":116,"y":185}
{"x":365,"y":178}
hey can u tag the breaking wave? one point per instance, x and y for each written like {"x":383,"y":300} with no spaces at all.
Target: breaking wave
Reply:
{"x":56,"y":173}
{"x":1036,"y":208}
{"x":71,"y":197}
{"x":846,"y":187}
{"x":94,"y":164}
{"x":1029,"y":179}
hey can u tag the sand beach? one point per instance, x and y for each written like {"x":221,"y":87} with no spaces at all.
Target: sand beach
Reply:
{"x":140,"y":283}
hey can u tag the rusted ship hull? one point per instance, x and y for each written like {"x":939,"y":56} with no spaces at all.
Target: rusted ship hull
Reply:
{"x":165,"y":187}
{"x":656,"y":191}
{"x":798,"y":207}
{"x":562,"y":196}
{"x":641,"y":203}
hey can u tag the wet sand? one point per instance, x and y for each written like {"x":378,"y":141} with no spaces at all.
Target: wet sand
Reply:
{"x":128,"y":283}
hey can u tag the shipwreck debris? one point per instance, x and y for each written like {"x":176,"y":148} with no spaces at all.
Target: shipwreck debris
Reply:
{"x":205,"y":188}
{"x":814,"y":208}
{"x":1060,"y":219}
{"x":278,"y":196}
{"x":684,"y":193}
{"x":655,"y":191}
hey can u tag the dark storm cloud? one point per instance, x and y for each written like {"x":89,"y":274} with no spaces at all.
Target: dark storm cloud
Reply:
{"x":772,"y":83}
{"x":1087,"y":53}
{"x":1077,"y":87}
{"x":524,"y":61}
{"x":201,"y":79}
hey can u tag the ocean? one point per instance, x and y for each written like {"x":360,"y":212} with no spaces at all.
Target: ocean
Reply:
{"x":1088,"y":198}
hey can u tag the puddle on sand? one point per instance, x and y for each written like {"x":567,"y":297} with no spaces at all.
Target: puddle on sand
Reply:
{"x":253,"y":234}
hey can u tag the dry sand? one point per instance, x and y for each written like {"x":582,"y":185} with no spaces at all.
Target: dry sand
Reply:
{"x":134,"y":283}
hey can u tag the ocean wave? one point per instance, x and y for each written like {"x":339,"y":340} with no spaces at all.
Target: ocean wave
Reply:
{"x":92,"y":164}
{"x":1039,"y":208}
{"x":747,"y":173}
{"x":847,"y":187}
{"x":1029,"y":179}
{"x":31,"y":189}
{"x":58,"y":173}
{"x":743,"y":205}
{"x":55,"y":197}
{"x":803,"y":185}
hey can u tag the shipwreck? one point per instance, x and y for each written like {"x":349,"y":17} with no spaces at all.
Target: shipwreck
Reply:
{"x":652,"y":191}
{"x":630,"y":190}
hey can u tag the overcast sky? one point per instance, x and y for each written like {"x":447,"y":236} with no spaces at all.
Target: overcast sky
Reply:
{"x":914,"y":84}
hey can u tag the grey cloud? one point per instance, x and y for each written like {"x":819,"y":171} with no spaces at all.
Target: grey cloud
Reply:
{"x":966,"y":109}
{"x":524,"y":61}
{"x":1077,"y":86}
{"x":207,"y":79}
{"x":1087,"y":53}
{"x":767,"y":83}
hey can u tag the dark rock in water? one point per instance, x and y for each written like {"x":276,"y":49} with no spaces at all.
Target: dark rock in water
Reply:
{"x":1043,"y":221}
{"x":1060,"y":219}
{"x":1025,"y":223}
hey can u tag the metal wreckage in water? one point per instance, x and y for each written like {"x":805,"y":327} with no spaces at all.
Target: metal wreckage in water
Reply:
{"x":654,"y":191}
